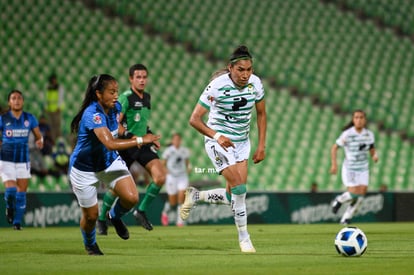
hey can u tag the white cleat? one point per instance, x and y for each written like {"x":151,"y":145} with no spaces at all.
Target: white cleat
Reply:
{"x":246,"y":246}
{"x":189,"y":203}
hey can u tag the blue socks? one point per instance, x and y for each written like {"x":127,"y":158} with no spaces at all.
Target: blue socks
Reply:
{"x":20,"y":207}
{"x":89,"y":238}
{"x":117,"y":211}
{"x":10,"y":197}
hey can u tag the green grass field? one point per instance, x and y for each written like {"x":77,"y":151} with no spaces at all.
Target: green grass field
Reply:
{"x":281,"y":249}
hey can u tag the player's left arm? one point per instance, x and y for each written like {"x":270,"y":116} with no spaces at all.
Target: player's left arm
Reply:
{"x":38,"y":137}
{"x":373,"y":154}
{"x":259,"y":155}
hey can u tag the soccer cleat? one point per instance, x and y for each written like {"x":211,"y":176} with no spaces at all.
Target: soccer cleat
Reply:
{"x":246,"y":246}
{"x":10,"y":215}
{"x":180,"y":224}
{"x":142,"y":218}
{"x":17,"y":226}
{"x":102,"y":227}
{"x":120,"y":227}
{"x":164,"y":219}
{"x":346,"y":222}
{"x":335,"y":206}
{"x":93,"y":250}
{"x":189,"y":203}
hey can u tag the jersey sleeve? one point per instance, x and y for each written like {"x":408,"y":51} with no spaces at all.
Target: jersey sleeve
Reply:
{"x":372,"y":139}
{"x":94,"y":120}
{"x":341,"y":140}
{"x":207,"y":97}
{"x":259,"y":90}
{"x":33,"y":121}
{"x":166,"y":153}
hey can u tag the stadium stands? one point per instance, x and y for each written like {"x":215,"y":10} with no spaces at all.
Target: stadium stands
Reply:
{"x":326,"y":55}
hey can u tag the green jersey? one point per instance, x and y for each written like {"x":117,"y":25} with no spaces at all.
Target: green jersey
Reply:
{"x":136,"y":111}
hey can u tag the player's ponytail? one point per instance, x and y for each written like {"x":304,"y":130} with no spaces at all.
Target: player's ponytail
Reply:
{"x":96,"y":83}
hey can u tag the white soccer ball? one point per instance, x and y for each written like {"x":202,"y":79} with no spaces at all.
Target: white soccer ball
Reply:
{"x":351,"y":241}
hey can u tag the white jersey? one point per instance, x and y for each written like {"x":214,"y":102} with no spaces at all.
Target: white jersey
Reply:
{"x":176,"y":160}
{"x":230,"y":108}
{"x":357,"y":146}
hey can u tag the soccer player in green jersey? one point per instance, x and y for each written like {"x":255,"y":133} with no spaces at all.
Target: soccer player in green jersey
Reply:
{"x":135,"y":115}
{"x":358,"y":143}
{"x":229,"y":100}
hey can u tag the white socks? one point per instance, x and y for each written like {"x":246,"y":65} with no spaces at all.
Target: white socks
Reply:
{"x":344,"y":197}
{"x":238,"y":204}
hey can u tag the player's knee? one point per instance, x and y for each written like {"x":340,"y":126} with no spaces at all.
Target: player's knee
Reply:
{"x":160,"y":179}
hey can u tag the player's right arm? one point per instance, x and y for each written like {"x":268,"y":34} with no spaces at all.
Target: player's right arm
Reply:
{"x":196,"y":120}
{"x":334,"y":166}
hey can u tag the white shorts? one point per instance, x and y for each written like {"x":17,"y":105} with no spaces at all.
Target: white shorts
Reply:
{"x":222,"y":159}
{"x":84,"y":183}
{"x":354,"y":178}
{"x":14,"y":170}
{"x":173,"y":184}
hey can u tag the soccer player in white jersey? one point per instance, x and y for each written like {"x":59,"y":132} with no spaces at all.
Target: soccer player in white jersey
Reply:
{"x":229,"y":100}
{"x":176,"y":159}
{"x":357,"y":142}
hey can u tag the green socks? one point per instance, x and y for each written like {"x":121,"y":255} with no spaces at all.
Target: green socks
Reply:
{"x":152,"y":192}
{"x":108,"y":200}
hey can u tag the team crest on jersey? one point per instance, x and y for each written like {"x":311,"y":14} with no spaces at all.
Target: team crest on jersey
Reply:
{"x":9,"y":133}
{"x":26,"y":123}
{"x":137,"y":117}
{"x":250,"y":88}
{"x":97,"y":119}
{"x":219,"y":161}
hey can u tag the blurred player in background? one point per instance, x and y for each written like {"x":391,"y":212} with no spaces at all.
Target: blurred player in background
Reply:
{"x":176,"y":159}
{"x":95,"y":159}
{"x":357,"y":142}
{"x":229,"y":100}
{"x":135,"y":114}
{"x":15,"y":128}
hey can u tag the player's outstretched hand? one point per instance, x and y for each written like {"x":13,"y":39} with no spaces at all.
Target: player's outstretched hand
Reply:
{"x":150,"y":138}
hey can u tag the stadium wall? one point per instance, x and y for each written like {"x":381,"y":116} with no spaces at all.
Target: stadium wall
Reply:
{"x":61,"y":209}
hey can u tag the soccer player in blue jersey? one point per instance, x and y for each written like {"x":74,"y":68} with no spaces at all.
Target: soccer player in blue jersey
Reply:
{"x":229,"y":100}
{"x":95,"y":159}
{"x":15,"y":127}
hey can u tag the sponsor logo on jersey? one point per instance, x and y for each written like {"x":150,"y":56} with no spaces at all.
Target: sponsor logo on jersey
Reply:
{"x":138,"y":104}
{"x":97,"y":119}
{"x":17,"y":133}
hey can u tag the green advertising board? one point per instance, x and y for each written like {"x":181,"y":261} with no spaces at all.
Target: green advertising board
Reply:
{"x":61,"y":209}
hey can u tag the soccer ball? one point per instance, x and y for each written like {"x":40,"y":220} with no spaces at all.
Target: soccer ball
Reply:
{"x":351,"y":241}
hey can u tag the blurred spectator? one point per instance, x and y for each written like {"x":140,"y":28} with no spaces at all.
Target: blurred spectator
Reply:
{"x":140,"y":174}
{"x":60,"y":156}
{"x":48,"y":141}
{"x":314,"y":187}
{"x":37,"y":162}
{"x":383,"y":188}
{"x":54,"y":105}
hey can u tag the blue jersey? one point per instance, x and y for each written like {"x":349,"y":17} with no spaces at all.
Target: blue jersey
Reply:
{"x":90,"y":155}
{"x":15,"y":136}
